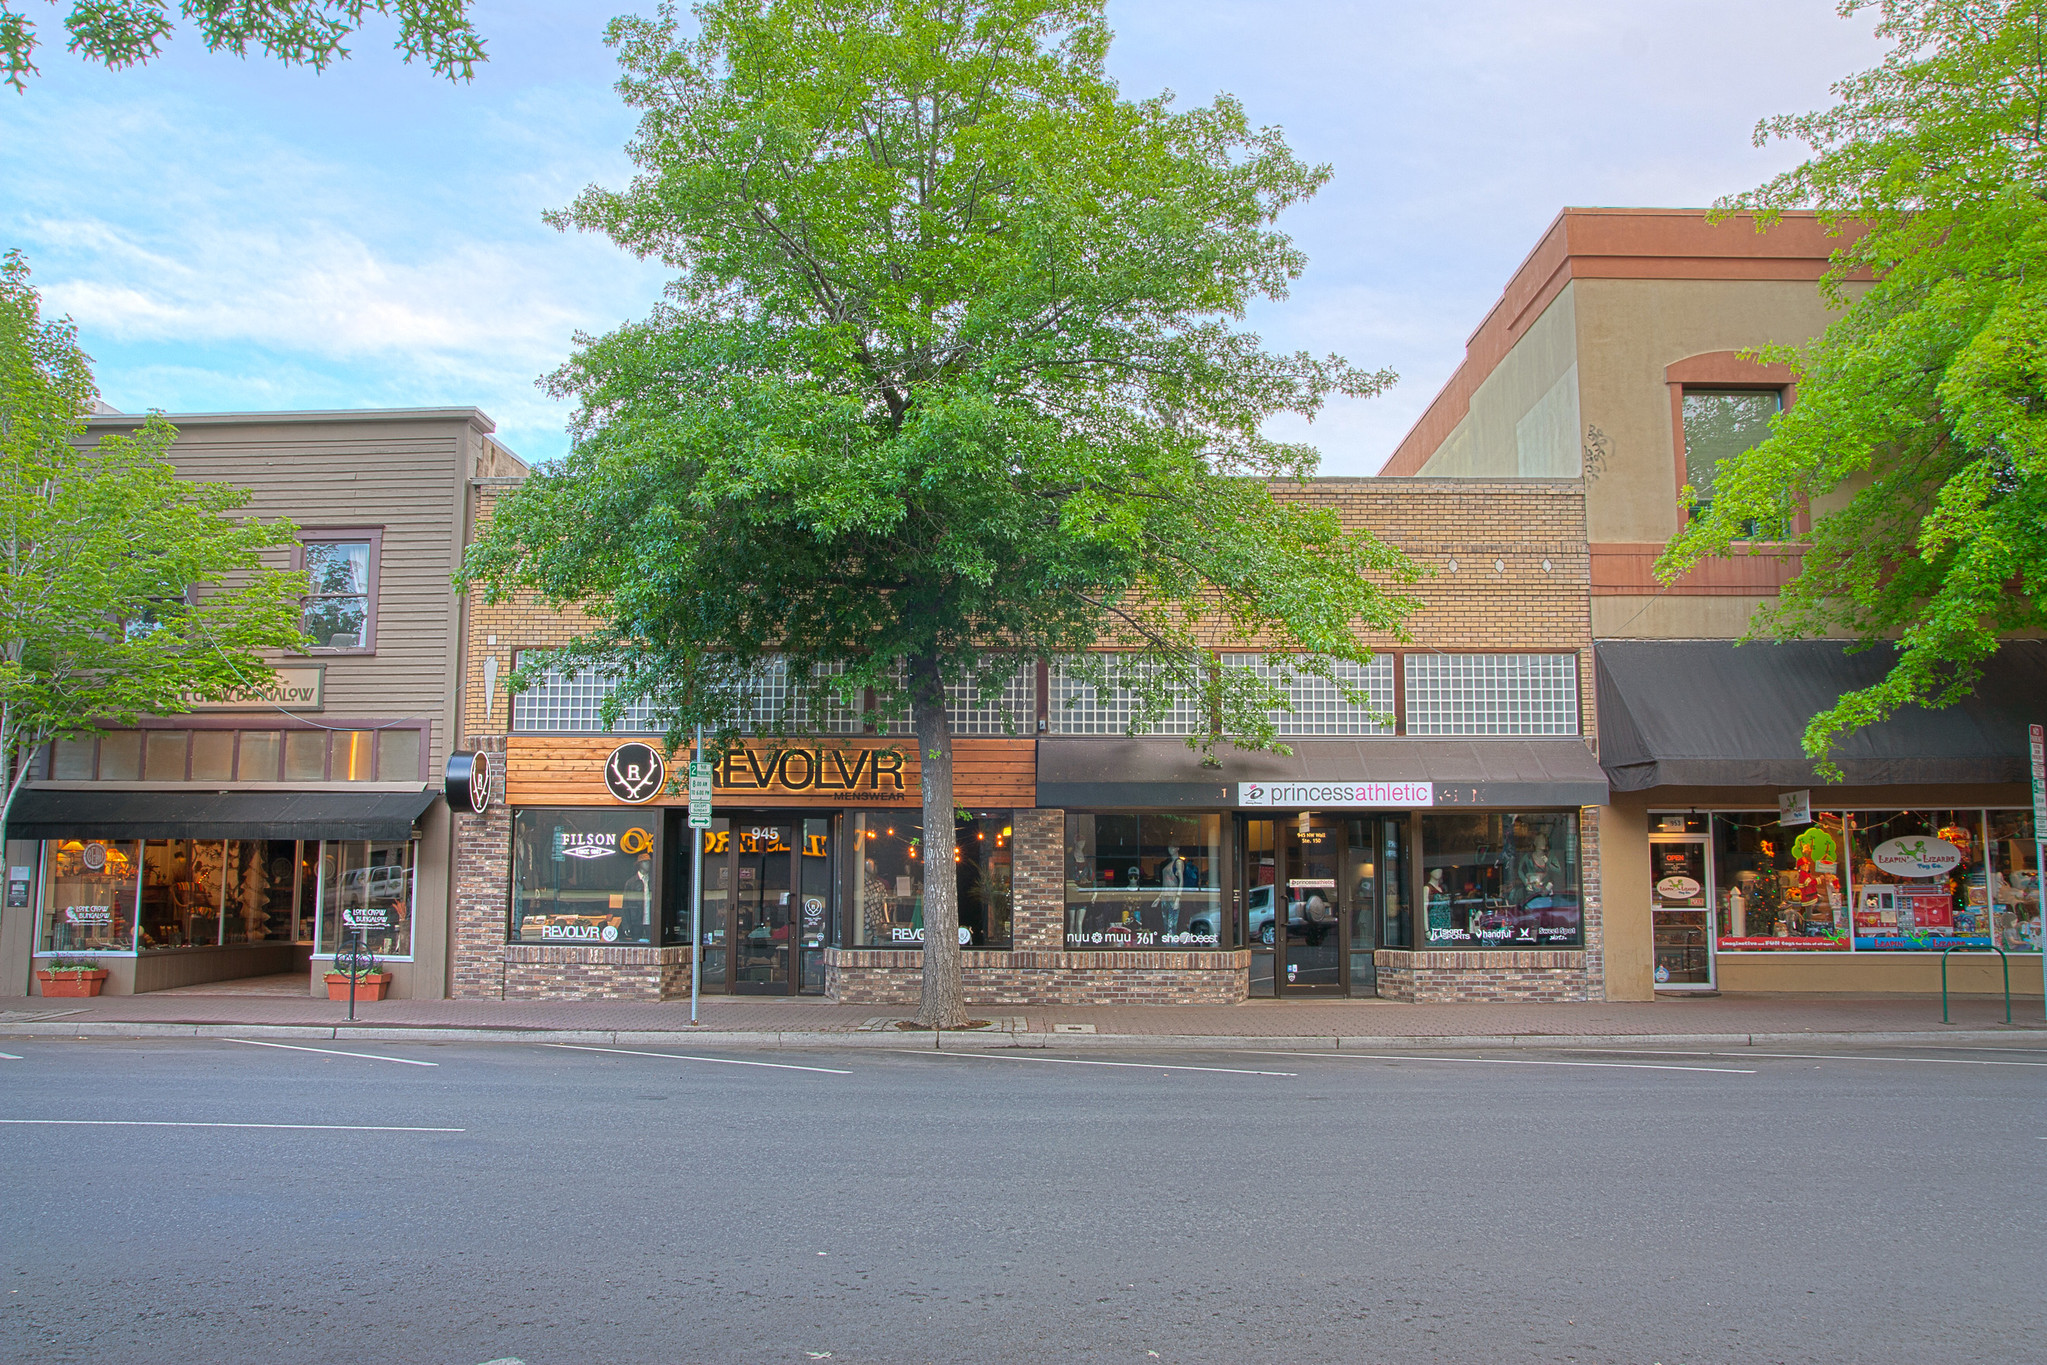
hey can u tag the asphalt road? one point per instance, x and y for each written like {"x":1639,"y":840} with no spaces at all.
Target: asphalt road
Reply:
{"x":561,"y":1206}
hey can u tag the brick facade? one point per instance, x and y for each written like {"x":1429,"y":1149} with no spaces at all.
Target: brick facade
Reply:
{"x":483,"y":894}
{"x":568,"y":971}
{"x":894,"y":978}
{"x":1038,"y":879}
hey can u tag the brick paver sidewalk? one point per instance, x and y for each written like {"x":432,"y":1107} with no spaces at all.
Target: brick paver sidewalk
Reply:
{"x":1726,"y":1014}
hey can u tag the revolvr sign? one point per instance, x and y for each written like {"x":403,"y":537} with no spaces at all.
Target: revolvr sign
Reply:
{"x":1317,"y":795}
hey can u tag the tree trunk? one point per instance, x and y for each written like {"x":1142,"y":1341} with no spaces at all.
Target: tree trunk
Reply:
{"x":943,"y":1004}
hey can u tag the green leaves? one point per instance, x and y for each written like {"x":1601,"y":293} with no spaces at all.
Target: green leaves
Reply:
{"x":1916,"y":434}
{"x":949,"y":372}
{"x":123,"y":588}
{"x":124,"y":33}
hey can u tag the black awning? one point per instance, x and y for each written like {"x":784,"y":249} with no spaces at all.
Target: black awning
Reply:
{"x":40,"y":813}
{"x":1076,"y":774}
{"x":1708,"y":713}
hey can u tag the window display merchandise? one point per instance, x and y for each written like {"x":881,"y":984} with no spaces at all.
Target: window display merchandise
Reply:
{"x":582,"y":876}
{"x":1501,"y":881}
{"x":1142,"y":881}
{"x":1853,"y":881}
{"x":173,"y":895}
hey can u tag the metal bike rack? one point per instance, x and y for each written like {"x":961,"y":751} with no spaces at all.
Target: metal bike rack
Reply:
{"x":2002,"y":956}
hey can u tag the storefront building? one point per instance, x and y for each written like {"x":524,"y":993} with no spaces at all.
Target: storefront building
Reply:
{"x":1616,"y":355}
{"x":1440,"y":843}
{"x":255,"y":835}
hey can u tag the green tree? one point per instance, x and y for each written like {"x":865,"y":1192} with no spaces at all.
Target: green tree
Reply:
{"x":124,"y":590}
{"x":124,"y":33}
{"x":948,"y":380}
{"x":1921,"y":408}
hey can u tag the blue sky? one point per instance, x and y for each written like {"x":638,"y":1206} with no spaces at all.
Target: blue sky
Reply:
{"x":236,"y":235}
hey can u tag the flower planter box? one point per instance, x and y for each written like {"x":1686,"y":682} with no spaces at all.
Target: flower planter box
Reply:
{"x":370,"y":987}
{"x":72,"y":985}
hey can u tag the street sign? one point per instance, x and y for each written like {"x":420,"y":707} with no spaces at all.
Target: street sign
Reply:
{"x":2040,"y":783}
{"x":699,"y":795}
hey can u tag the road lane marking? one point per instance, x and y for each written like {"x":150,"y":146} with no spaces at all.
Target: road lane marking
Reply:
{"x":169,"y":1123}
{"x":331,"y":1051}
{"x":1497,"y":1061}
{"x":1809,"y":1056}
{"x":12,"y":1058}
{"x":683,"y":1057}
{"x":1076,"y":1061}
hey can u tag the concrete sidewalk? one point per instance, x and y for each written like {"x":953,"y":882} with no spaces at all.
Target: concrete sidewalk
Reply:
{"x":1728,"y":1020}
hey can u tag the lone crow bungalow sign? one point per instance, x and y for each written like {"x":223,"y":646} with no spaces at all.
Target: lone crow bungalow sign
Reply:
{"x":591,"y":770}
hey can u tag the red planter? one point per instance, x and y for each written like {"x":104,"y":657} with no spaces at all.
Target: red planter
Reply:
{"x":366,"y":987}
{"x":72,"y":985}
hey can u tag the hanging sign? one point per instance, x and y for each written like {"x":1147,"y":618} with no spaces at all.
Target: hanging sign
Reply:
{"x":1794,"y":808}
{"x":1916,"y":855}
{"x":634,"y":773}
{"x":469,"y":781}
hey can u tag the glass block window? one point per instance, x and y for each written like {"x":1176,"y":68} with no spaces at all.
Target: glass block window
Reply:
{"x":1492,"y":694}
{"x":1012,"y":711}
{"x":571,"y":704}
{"x":1077,"y":709}
{"x":1318,"y":708}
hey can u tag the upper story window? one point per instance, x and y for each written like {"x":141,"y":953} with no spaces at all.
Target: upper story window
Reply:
{"x":1720,"y":424}
{"x":341,"y":608}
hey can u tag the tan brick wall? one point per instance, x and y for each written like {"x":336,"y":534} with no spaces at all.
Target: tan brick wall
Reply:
{"x":550,"y":971}
{"x":1038,"y":869}
{"x":889,"y":977}
{"x":483,"y":893}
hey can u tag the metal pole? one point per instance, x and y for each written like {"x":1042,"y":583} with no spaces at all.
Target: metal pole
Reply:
{"x":696,"y":899}
{"x":354,"y":969}
{"x":2040,"y":902}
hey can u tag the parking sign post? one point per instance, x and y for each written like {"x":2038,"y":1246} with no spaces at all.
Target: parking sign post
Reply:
{"x":699,"y":820}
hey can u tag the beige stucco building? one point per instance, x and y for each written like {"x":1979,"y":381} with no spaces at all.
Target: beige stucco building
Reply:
{"x":1614,"y":356}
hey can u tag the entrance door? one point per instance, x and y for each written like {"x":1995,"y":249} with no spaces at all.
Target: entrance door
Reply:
{"x":762,"y":909}
{"x":1681,"y":913}
{"x":1312,"y":938}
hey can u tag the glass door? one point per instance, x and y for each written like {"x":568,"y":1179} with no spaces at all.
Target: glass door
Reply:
{"x":1680,"y":913}
{"x":814,"y":913}
{"x":764,"y":912}
{"x":1313,"y":937}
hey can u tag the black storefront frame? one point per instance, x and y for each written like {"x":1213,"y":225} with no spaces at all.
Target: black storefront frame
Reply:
{"x":1239,"y":840}
{"x":680,"y":867}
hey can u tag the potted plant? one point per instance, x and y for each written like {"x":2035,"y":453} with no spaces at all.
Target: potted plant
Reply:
{"x":72,"y":978}
{"x":371,"y":981}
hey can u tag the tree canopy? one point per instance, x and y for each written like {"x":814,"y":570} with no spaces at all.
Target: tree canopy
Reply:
{"x":124,"y":590}
{"x":951,"y":376}
{"x":296,"y":32}
{"x":1921,"y":409}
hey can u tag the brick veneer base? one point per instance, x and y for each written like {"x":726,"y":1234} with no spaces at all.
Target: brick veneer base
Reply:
{"x":887,"y":977}
{"x":549,"y":971}
{"x":1425,"y":978}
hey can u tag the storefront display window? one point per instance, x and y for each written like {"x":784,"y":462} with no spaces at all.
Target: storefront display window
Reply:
{"x":885,"y":887}
{"x":1778,"y":888}
{"x":1919,"y":881}
{"x":1861,"y":881}
{"x":582,"y":876}
{"x":181,"y":886}
{"x":366,"y":885}
{"x":90,"y":895}
{"x":1143,"y":881}
{"x":1501,"y":881}
{"x":2014,"y":881}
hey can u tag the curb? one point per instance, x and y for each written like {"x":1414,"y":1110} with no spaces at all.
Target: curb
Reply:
{"x":984,"y":1041}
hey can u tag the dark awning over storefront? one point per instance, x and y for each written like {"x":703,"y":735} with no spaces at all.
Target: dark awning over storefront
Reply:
{"x":45,"y":814}
{"x":1706,"y":713}
{"x":1111,"y":772}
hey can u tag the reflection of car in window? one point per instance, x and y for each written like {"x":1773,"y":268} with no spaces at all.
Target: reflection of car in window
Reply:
{"x":1309,"y":920}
